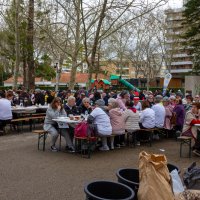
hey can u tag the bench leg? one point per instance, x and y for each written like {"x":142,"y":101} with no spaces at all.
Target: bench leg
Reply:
{"x":38,"y":141}
{"x":187,"y":143}
{"x":60,"y":142}
{"x":44,"y":138}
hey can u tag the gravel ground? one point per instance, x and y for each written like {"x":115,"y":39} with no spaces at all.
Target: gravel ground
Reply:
{"x":29,"y":174}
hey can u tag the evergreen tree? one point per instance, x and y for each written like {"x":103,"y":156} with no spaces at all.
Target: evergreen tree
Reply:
{"x":192,"y":31}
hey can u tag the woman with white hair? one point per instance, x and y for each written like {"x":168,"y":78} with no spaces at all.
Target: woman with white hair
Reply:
{"x":85,"y":107}
{"x":117,"y":122}
{"x":102,"y":121}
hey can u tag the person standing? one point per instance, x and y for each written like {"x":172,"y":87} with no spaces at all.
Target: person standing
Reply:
{"x":150,"y":99}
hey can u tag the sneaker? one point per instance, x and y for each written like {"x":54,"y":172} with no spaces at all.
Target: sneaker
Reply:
{"x":54,"y":149}
{"x":122,"y":144}
{"x":71,"y":150}
{"x":112,"y":147}
{"x":138,"y":143}
{"x":196,"y":152}
{"x":117,"y":146}
{"x":104,"y":148}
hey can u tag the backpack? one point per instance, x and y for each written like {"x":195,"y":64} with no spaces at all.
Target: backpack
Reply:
{"x":173,"y":119}
{"x":83,"y":129}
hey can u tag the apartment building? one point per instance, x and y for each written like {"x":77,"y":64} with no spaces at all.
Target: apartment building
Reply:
{"x":179,"y":61}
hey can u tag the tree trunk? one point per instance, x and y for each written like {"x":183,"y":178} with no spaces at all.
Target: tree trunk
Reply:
{"x":96,"y":41}
{"x":24,"y":68}
{"x":17,"y":47}
{"x":73,"y":75}
{"x":30,"y":50}
{"x":77,"y":45}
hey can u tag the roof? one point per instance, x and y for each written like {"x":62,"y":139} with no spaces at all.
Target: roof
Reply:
{"x":104,"y":80}
{"x":20,"y":80}
{"x":64,"y":78}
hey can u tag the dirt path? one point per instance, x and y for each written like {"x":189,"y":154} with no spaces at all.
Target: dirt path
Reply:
{"x":29,"y":174}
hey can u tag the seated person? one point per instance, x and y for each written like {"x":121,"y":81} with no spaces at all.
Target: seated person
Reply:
{"x":137,"y":105}
{"x":56,"y":110}
{"x":193,"y":117}
{"x":131,"y":117}
{"x":85,"y":108}
{"x":188,"y":105}
{"x":159,"y":112}
{"x":150,"y":100}
{"x":102,"y":121}
{"x":180,"y":116}
{"x":5,"y":110}
{"x":147,"y":121}
{"x":168,"y":113}
{"x":117,"y":123}
{"x":147,"y":117}
{"x":70,"y":107}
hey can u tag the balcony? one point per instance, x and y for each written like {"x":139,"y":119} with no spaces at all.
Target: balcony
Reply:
{"x":183,"y":55}
{"x":182,"y":63}
{"x":180,"y":70}
{"x":175,"y":41}
{"x":176,"y":18}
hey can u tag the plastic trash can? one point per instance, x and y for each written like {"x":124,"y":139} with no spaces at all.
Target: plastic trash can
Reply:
{"x":129,"y":177}
{"x":107,"y":190}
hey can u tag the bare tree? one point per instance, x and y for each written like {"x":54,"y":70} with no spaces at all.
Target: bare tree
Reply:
{"x":30,"y":50}
{"x":17,"y":43}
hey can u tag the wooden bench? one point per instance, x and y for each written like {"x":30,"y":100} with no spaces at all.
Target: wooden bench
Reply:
{"x":185,"y":141}
{"x":30,"y":119}
{"x":41,"y":133}
{"x":150,"y":136}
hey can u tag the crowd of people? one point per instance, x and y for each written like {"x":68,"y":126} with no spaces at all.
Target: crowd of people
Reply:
{"x":113,"y":113}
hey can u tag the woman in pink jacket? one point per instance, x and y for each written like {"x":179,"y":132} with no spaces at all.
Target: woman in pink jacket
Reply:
{"x":117,"y":122}
{"x":122,"y":98}
{"x":168,"y":113}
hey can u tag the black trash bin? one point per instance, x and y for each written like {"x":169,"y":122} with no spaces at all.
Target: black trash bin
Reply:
{"x":106,"y":190}
{"x":171,"y":167}
{"x":129,"y":177}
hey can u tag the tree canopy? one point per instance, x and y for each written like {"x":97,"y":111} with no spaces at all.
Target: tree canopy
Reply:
{"x":192,"y":31}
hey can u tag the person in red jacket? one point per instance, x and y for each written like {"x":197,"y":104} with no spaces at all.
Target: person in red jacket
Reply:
{"x":189,"y":129}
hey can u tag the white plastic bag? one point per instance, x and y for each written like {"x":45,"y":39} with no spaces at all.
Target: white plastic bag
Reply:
{"x":177,"y":185}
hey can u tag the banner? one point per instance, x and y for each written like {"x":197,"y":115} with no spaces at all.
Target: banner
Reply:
{"x":167,"y":79}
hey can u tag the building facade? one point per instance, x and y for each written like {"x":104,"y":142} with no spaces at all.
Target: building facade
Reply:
{"x":179,"y":61}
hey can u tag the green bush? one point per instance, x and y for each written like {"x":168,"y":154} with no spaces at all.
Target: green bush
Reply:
{"x":5,"y":87}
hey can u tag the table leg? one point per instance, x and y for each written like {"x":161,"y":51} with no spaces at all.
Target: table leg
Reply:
{"x":60,"y":140}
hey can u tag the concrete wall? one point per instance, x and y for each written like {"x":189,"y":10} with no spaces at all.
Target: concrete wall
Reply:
{"x":192,"y":83}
